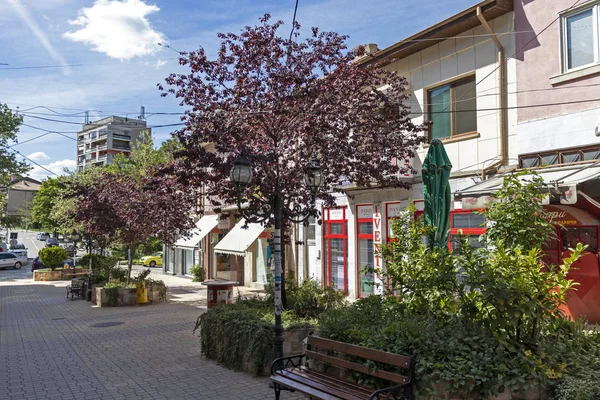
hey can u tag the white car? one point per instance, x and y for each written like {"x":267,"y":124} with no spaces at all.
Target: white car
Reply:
{"x":20,"y":252}
{"x":10,"y":260}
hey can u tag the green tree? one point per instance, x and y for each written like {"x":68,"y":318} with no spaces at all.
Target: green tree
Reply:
{"x":53,"y":256}
{"x":44,"y":202}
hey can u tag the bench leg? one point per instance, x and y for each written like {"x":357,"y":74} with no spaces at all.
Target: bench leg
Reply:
{"x":277,"y":391}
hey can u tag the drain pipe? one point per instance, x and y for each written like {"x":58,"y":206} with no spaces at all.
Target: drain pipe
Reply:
{"x":502,"y":98}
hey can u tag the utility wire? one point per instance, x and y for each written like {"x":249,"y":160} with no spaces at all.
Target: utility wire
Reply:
{"x":516,"y":52}
{"x":41,"y":166}
{"x":29,"y":140}
{"x":294,"y":20}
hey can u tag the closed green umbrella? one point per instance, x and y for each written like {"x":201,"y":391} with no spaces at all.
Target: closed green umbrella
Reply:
{"x":436,"y":193}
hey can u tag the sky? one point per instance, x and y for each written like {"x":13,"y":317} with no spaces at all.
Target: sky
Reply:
{"x":60,"y":58}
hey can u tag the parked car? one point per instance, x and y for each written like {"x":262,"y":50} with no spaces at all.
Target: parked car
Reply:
{"x":51,"y":242}
{"x":43,"y":235}
{"x":19,"y":249}
{"x":37,"y":264}
{"x":153,"y":260}
{"x":10,"y":260}
{"x":71,"y":249}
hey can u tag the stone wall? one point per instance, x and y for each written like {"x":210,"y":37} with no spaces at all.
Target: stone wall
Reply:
{"x":60,"y":274}
{"x":124,"y":297}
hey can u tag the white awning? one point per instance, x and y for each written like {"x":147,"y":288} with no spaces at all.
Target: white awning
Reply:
{"x":238,"y":239}
{"x":203,"y":228}
{"x":562,"y":176}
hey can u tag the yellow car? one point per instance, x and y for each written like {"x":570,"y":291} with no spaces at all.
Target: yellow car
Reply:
{"x":153,"y":260}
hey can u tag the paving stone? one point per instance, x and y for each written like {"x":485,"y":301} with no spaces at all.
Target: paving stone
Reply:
{"x":49,"y":349}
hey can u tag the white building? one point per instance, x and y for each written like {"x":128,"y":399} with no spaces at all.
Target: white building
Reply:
{"x":458,"y":80}
{"x":98,"y":142}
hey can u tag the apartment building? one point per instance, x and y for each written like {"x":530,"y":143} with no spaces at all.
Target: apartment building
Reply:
{"x":98,"y":142}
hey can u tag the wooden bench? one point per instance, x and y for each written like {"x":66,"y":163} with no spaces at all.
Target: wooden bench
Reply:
{"x":292,"y":373}
{"x":75,"y":288}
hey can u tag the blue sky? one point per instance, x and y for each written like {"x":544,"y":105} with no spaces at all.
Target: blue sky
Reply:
{"x":107,"y":59}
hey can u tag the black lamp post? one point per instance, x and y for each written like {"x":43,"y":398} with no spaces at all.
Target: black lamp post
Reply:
{"x":241,"y":176}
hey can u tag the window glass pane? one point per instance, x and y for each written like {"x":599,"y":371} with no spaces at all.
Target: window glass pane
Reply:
{"x":591,"y":155}
{"x":530,"y":162}
{"x":468,"y":220}
{"x":550,"y":159}
{"x":464,"y":99}
{"x":570,"y":157}
{"x":365,"y":259}
{"x":473,"y":242}
{"x":585,"y":236}
{"x":310,"y":230}
{"x":335,"y":229}
{"x":580,"y":39}
{"x":365,"y":228}
{"x":337,"y":264}
{"x":439,"y":107}
{"x":189,"y":260}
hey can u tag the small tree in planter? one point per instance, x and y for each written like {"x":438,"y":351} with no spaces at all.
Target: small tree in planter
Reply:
{"x":53,"y":256}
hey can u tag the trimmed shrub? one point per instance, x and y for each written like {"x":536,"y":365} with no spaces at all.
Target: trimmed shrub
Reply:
{"x":53,"y":256}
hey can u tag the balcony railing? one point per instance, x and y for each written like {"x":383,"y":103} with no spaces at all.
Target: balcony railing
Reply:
{"x":117,"y":147}
{"x":122,"y":136}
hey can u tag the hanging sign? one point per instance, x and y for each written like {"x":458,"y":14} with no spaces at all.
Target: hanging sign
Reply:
{"x":378,"y":262}
{"x":569,"y":196}
{"x":469,"y":203}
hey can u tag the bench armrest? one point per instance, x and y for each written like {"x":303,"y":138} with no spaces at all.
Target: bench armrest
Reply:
{"x":398,"y":392}
{"x":285,"y":362}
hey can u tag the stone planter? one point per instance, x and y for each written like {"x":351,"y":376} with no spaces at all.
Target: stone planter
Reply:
{"x":537,"y":392}
{"x":60,"y":274}
{"x":293,"y":344}
{"x":117,"y":297}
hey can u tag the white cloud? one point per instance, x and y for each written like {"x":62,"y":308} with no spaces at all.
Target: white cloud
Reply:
{"x":26,"y":17}
{"x":159,"y":63}
{"x":42,"y":171}
{"x":38,"y":156}
{"x":118,"y":29}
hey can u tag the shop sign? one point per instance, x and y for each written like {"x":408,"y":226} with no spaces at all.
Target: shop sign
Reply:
{"x":336,"y":214}
{"x":558,"y":216}
{"x":393,"y":210}
{"x":364,"y":212}
{"x":265,"y":235}
{"x":469,"y":203}
{"x":569,"y":196}
{"x":224,"y":223}
{"x":377,"y":240}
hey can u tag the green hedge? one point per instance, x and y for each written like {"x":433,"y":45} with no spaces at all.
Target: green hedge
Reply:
{"x":231,"y":332}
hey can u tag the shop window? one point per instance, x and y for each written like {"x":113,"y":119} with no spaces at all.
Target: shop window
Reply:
{"x":453,"y":109}
{"x":563,"y":156}
{"x":468,"y":223}
{"x":335,"y":248}
{"x":551,"y":251}
{"x":584,"y":235}
{"x":310,"y":229}
{"x":188,"y":261}
{"x":365,"y":249}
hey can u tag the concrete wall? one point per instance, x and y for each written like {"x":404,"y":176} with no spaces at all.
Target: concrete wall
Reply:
{"x":538,"y":66}
{"x":470,"y":52}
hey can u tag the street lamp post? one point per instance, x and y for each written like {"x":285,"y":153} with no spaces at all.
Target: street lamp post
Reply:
{"x":241,"y":176}
{"x":74,"y":238}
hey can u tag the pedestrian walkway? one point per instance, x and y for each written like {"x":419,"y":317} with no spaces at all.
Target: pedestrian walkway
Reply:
{"x":53,"y":348}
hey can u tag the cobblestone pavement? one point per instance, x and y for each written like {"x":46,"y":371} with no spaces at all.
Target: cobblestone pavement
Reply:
{"x":53,"y":348}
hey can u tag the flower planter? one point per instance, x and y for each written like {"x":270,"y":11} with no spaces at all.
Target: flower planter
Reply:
{"x":117,"y":297}
{"x":536,"y":392}
{"x":59,"y":274}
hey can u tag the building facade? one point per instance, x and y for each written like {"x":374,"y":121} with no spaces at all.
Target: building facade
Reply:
{"x":461,"y":86}
{"x":98,"y":142}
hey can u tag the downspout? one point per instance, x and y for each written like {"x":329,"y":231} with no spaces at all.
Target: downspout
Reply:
{"x":502,"y":94}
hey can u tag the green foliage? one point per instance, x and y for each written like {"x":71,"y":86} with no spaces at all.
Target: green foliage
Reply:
{"x":53,"y":256}
{"x":120,"y":285}
{"x":142,"y":275}
{"x":103,"y":267}
{"x":160,"y":286}
{"x":234,"y":333}
{"x":9,"y":128}
{"x":483,"y":319}
{"x":198,"y":272}
{"x":44,"y":202}
{"x":518,"y":214}
{"x":309,"y":299}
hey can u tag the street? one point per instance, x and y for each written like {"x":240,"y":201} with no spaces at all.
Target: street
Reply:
{"x":54,"y":348}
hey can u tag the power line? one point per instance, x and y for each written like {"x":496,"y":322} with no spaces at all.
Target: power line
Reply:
{"x":83,"y":65}
{"x":41,"y":166}
{"x":516,"y":52}
{"x":29,"y":140}
{"x":294,"y":20}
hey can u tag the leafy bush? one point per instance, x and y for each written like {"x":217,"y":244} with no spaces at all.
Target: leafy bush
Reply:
{"x":53,"y":256}
{"x":160,"y":286}
{"x":102,"y":266}
{"x":309,"y":299}
{"x":198,"y":272}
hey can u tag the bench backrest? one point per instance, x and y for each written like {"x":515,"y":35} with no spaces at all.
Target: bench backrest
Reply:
{"x":335,"y":353}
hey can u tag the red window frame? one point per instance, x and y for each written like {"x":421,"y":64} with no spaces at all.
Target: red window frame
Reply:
{"x":368,"y":236}
{"x":327,"y":236}
{"x":465,"y":231}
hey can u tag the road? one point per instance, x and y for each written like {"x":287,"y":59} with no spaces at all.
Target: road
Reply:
{"x":30,"y":241}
